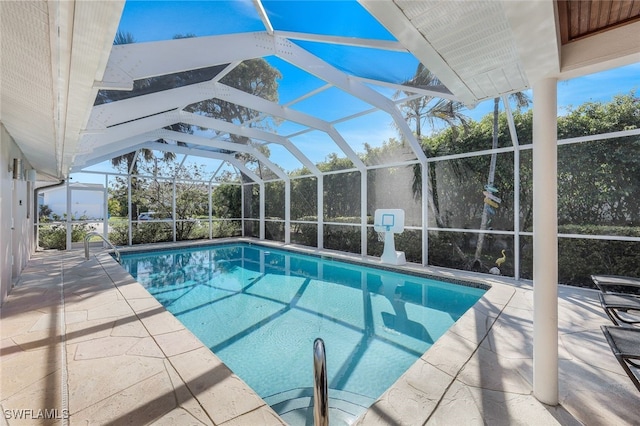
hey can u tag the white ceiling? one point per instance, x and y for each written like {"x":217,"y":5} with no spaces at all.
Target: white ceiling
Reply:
{"x":52,"y":51}
{"x":57,"y":54}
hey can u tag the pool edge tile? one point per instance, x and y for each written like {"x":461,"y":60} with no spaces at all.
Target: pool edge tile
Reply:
{"x":222,"y":394}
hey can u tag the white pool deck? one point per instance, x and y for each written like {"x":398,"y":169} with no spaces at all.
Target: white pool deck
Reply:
{"x":84,"y":341}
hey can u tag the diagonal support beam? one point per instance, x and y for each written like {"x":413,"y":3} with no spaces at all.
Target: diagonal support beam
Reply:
{"x":130,"y":62}
{"x":114,"y":113}
{"x":301,"y":58}
{"x":250,"y":132}
{"x":230,"y":146}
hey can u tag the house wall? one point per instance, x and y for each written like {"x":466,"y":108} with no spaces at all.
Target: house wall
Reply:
{"x":16,"y":215}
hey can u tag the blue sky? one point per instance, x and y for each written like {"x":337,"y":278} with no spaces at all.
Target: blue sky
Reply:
{"x":161,"y":20}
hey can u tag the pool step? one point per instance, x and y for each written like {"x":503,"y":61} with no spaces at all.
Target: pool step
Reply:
{"x":296,"y":406}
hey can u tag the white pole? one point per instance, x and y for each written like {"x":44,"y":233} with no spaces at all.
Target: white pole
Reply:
{"x":425,"y":212}
{"x":173,"y":209}
{"x":320,"y":198}
{"x":68,"y":221}
{"x":363,"y":213}
{"x":242,"y":206}
{"x":287,"y":211}
{"x":545,"y":242}
{"x":210,"y":214}
{"x":105,"y":210}
{"x":262,"y":211}
{"x":129,"y":204}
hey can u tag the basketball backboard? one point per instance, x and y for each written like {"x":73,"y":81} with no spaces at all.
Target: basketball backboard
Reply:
{"x":391,"y":220}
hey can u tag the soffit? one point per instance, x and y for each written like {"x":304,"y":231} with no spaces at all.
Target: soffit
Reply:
{"x":51,"y":54}
{"x":597,"y":35}
{"x":584,"y":18}
{"x":476,"y":48}
{"x":27,"y":102}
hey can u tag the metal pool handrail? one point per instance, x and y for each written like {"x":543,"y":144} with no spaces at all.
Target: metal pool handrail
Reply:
{"x":320,"y":390}
{"x":86,"y":245}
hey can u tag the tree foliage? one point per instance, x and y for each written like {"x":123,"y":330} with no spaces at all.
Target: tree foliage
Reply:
{"x":597,"y":180}
{"x":225,"y":201}
{"x":155,"y":190}
{"x":430,"y":109}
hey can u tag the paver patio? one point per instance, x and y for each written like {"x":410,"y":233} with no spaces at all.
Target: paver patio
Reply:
{"x":84,"y":343}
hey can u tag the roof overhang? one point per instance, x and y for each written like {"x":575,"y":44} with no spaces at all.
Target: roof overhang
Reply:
{"x":52,"y":52}
{"x":479,"y":49}
{"x":614,"y":48}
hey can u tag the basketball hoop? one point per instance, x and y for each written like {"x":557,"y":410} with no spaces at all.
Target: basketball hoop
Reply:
{"x":388,"y":222}
{"x":381,"y":234}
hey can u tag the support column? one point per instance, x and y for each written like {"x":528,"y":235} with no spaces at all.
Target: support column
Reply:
{"x":69,"y":226}
{"x":287,"y":211}
{"x":545,"y":242}
{"x":262,"y":211}
{"x":424,"y":166}
{"x":173,"y":210}
{"x":105,"y":208}
{"x":210,"y":211}
{"x":242,"y":212}
{"x":363,"y":213}
{"x":320,"y":199}
{"x":129,"y":206}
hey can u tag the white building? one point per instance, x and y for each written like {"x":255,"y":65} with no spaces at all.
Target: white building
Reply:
{"x":87,"y":200}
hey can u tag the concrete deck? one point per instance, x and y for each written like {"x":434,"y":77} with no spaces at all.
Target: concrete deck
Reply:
{"x":84,"y":343}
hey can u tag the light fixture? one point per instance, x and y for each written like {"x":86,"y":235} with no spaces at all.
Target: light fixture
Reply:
{"x":17,"y":168}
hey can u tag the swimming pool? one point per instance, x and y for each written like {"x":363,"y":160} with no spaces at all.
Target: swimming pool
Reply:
{"x":260,"y":309}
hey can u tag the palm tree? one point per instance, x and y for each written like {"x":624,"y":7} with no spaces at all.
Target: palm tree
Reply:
{"x":123,"y":38}
{"x":420,"y":110}
{"x":428,"y":110}
{"x":522,"y":101}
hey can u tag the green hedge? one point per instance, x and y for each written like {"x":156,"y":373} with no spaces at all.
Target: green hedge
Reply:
{"x":153,"y":232}
{"x":55,"y":236}
{"x":579,"y":258}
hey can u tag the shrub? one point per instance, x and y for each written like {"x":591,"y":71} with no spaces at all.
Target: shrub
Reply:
{"x":55,"y":236}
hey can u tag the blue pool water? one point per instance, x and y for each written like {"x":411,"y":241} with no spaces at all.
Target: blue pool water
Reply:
{"x":260,"y":310}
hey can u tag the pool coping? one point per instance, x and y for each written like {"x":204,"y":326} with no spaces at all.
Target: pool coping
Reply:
{"x":415,"y":395}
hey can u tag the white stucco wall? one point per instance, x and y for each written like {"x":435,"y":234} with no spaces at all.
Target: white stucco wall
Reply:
{"x":16,"y":223}
{"x":86,"y":200}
